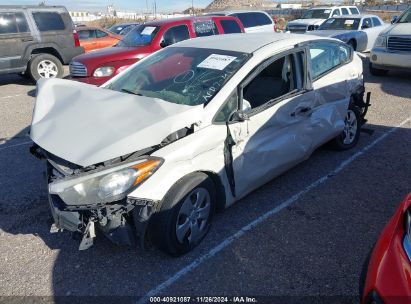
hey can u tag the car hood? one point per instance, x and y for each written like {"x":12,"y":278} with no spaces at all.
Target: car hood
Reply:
{"x":330,"y":33}
{"x":398,"y":29}
{"x":86,"y":125}
{"x":102,"y":57}
{"x":306,"y":22}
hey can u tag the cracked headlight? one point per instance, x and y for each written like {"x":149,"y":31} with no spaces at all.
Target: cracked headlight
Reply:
{"x":381,"y":42}
{"x":108,"y":185}
{"x":103,"y":72}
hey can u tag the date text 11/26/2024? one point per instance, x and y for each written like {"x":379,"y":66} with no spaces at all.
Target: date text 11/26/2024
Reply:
{"x":236,"y":299}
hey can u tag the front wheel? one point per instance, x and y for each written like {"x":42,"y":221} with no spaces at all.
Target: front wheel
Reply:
{"x":185,"y":215}
{"x":351,"y":133}
{"x":45,"y":66}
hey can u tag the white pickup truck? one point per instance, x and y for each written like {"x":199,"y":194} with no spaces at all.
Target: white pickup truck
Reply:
{"x":392,"y":48}
{"x":315,"y":16}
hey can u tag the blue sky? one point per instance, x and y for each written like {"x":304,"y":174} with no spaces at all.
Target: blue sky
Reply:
{"x":98,"y":5}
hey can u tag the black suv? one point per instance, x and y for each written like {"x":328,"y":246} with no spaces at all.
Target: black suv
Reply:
{"x":36,"y":40}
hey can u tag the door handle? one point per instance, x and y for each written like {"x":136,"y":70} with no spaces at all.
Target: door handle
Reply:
{"x":301,"y":110}
{"x":27,"y":39}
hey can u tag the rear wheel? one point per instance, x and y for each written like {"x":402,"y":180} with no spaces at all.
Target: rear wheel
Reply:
{"x":185,"y":215}
{"x":351,"y":133}
{"x":45,"y":66}
{"x":377,"y":72}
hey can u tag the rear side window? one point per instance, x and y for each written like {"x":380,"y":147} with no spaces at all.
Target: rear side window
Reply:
{"x":354,"y":11}
{"x":325,"y":56}
{"x":22,"y":23}
{"x":48,"y":21}
{"x":253,"y":19}
{"x":230,"y":27}
{"x":8,"y":24}
{"x":344,"y":11}
{"x":376,"y":21}
{"x":101,"y":34}
{"x":205,"y":28}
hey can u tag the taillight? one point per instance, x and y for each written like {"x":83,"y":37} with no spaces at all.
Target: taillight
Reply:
{"x":76,"y":40}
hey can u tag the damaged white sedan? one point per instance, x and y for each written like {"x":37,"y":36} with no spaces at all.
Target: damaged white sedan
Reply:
{"x":191,"y":129}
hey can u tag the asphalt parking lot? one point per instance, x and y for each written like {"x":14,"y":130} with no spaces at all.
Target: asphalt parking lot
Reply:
{"x":305,"y":234}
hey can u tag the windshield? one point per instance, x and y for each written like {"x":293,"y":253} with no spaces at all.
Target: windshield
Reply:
{"x":317,"y":14}
{"x":189,"y":76}
{"x":406,"y":17}
{"x":340,"y":24}
{"x":139,"y":36}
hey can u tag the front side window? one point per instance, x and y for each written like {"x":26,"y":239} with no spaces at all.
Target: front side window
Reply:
{"x":86,"y":34}
{"x":325,"y":56}
{"x":344,"y":11}
{"x":175,"y":34}
{"x":48,"y":21}
{"x":366,"y":23}
{"x":317,"y":14}
{"x":336,"y":12}
{"x":22,"y":23}
{"x":189,"y":76}
{"x":205,"y":28}
{"x":139,"y":36}
{"x":230,"y":27}
{"x":340,"y":24}
{"x":279,"y":78}
{"x":8,"y":24}
{"x":376,"y":21}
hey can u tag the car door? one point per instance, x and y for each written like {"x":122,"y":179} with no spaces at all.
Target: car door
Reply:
{"x":331,"y":81}
{"x":367,"y":27}
{"x":271,"y":134}
{"x":15,"y":37}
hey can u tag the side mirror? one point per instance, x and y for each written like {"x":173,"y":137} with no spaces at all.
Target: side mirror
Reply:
{"x":163,"y":44}
{"x":394,"y":19}
{"x":240,"y":116}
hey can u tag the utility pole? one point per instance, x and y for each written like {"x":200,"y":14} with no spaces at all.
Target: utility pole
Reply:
{"x":192,"y":6}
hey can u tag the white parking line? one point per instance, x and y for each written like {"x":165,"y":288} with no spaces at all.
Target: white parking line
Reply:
{"x":16,"y":145}
{"x":212,"y":252}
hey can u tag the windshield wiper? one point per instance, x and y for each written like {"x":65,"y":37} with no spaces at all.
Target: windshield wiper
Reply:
{"x":130,"y":92}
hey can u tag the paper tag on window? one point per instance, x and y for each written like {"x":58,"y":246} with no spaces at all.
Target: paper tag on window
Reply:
{"x":216,"y":62}
{"x":327,"y":11}
{"x":148,"y":30}
{"x":349,"y":22}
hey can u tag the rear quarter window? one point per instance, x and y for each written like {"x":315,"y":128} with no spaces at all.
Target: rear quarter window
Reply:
{"x":230,"y":26}
{"x":253,"y":19}
{"x":48,"y":21}
{"x":376,"y":21}
{"x":344,"y":11}
{"x":205,"y":28}
{"x":8,"y":24}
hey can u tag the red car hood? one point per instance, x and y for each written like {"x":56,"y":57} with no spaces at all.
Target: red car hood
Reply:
{"x":98,"y":58}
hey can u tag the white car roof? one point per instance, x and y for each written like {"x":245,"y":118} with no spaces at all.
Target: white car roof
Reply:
{"x":245,"y":43}
{"x":236,"y":12}
{"x":355,"y":16}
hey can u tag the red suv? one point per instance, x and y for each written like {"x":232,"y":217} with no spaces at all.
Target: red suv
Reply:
{"x":98,"y":67}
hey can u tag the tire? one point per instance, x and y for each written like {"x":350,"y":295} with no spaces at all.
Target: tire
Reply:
{"x":180,"y":213}
{"x":45,"y":66}
{"x":377,"y":72}
{"x":350,"y":135}
{"x":353,"y":44}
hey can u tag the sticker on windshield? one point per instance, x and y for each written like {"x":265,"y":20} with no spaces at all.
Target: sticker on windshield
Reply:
{"x":216,"y":62}
{"x":327,"y":11}
{"x":148,"y":30}
{"x":349,"y":22}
